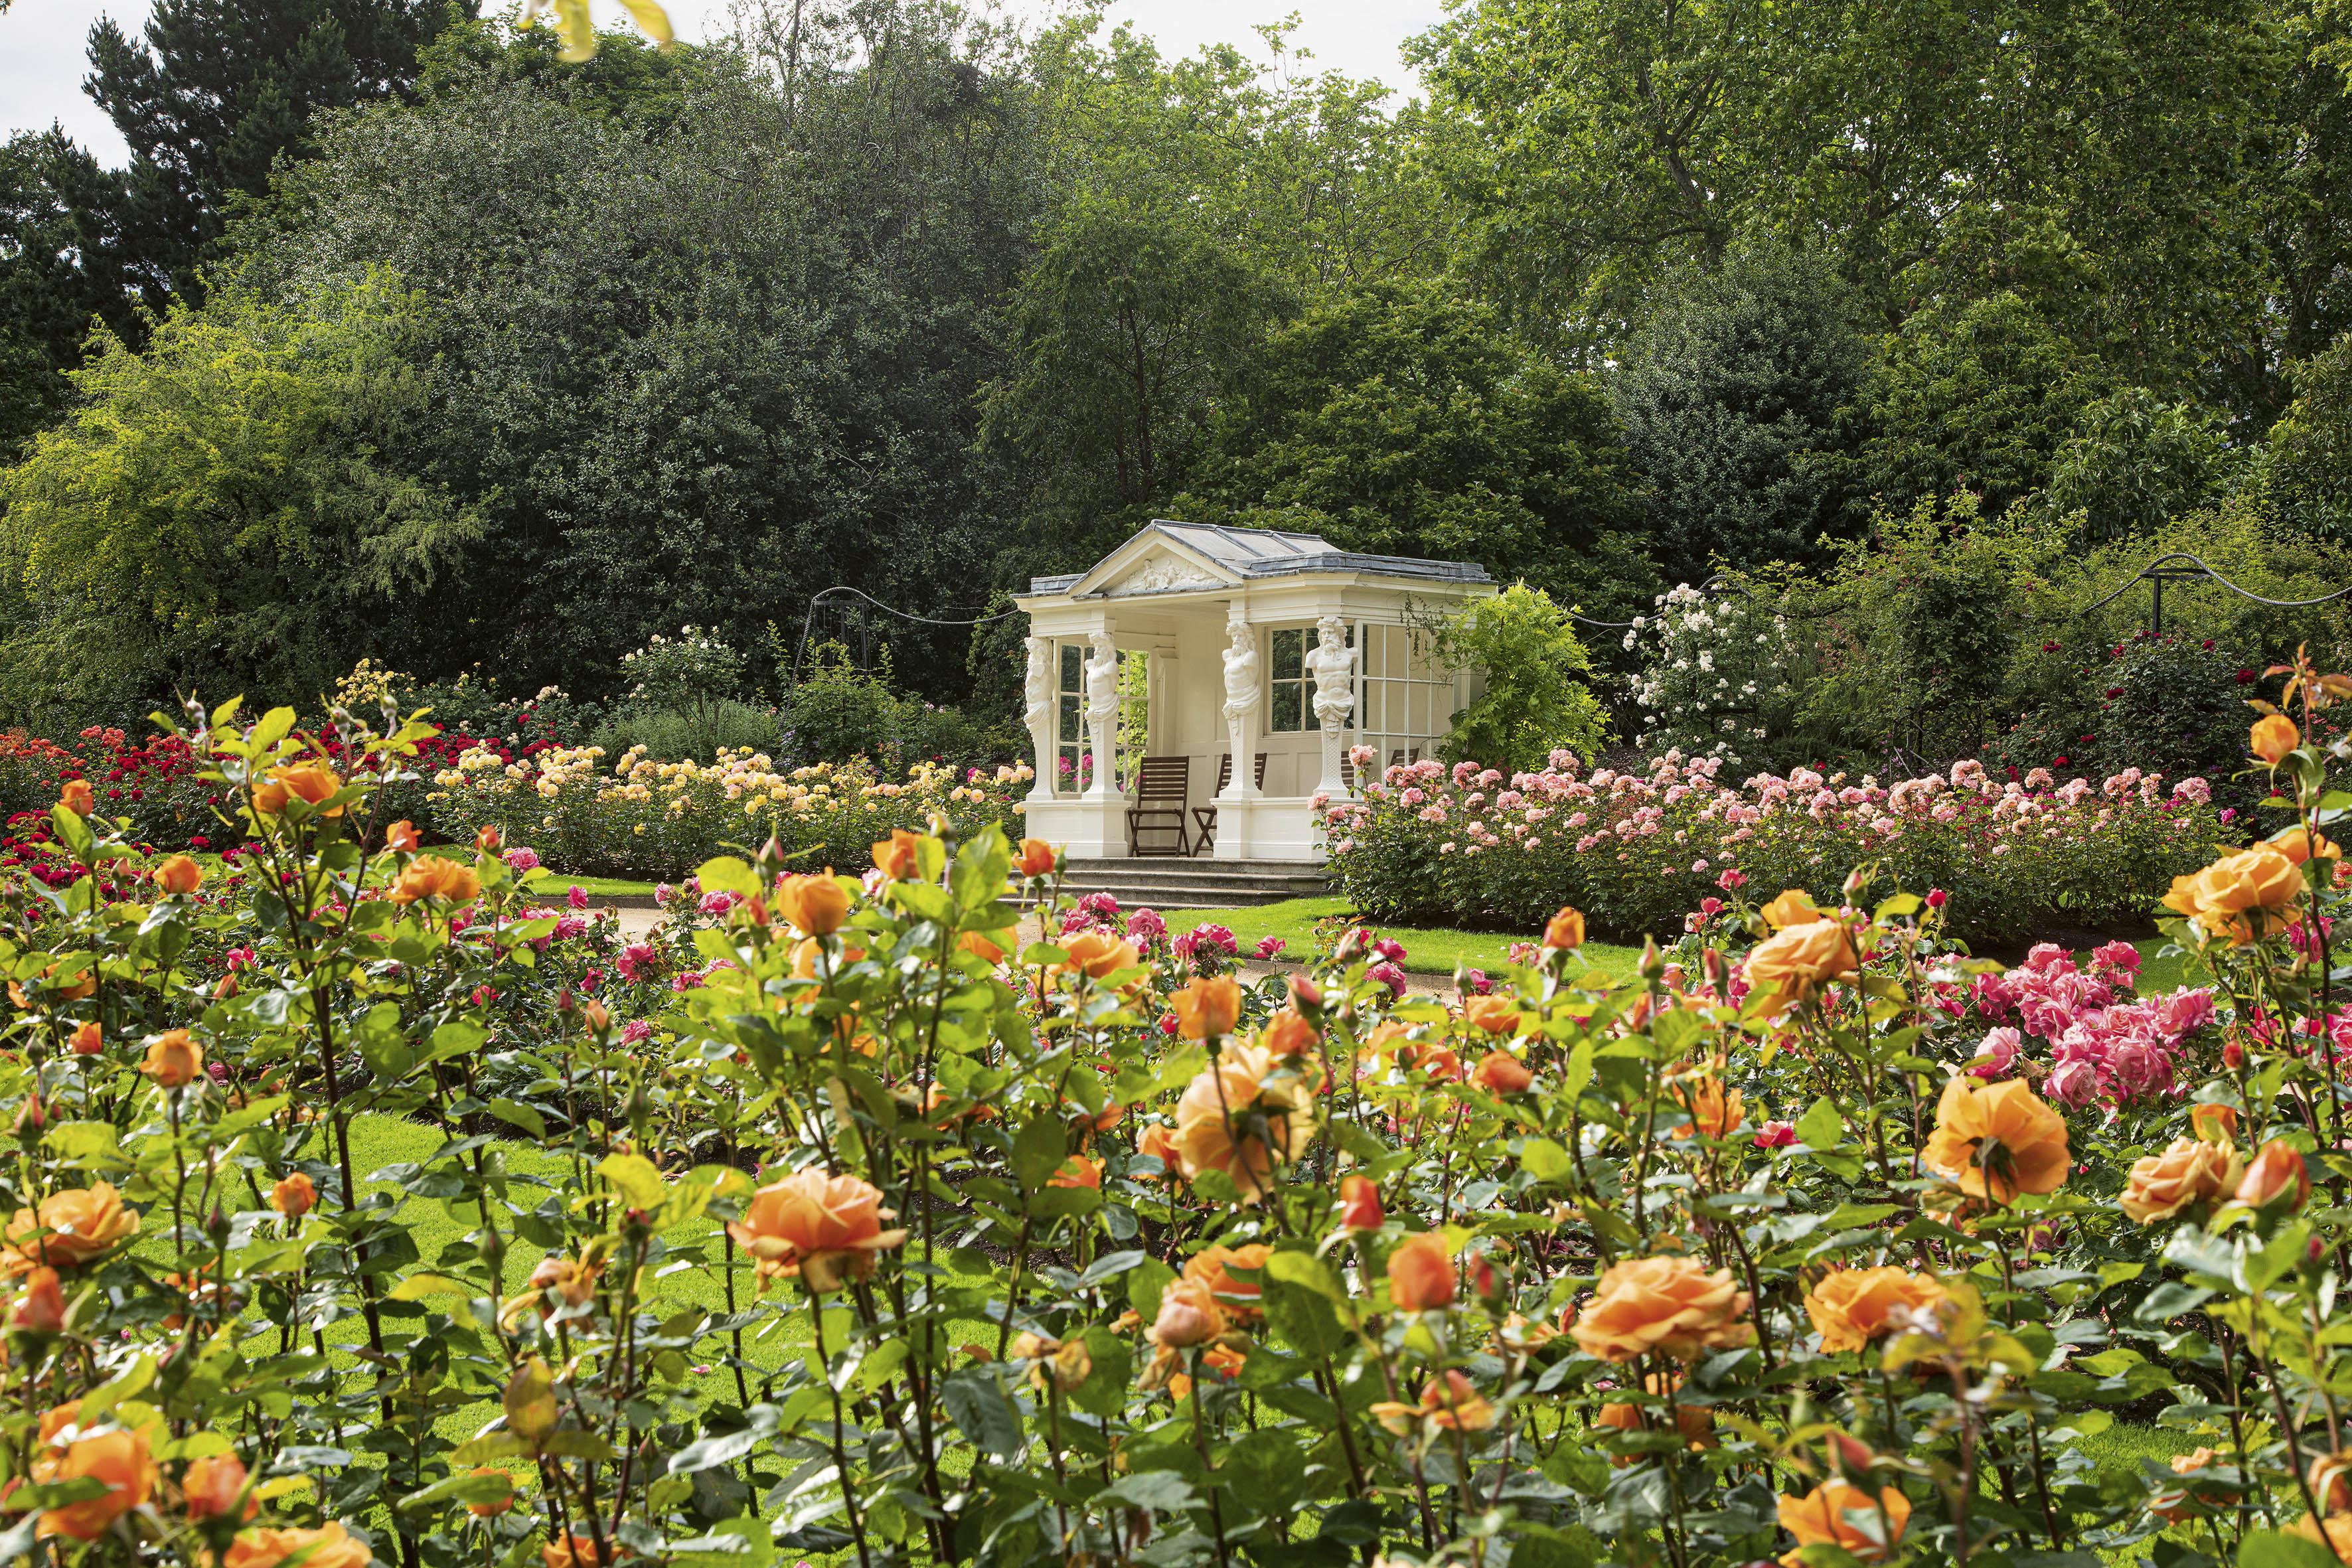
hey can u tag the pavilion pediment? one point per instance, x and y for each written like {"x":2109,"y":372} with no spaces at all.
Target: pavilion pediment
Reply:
{"x":1151,"y":563}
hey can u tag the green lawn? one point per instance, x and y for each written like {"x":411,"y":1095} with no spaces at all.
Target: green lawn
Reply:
{"x":595,"y":886}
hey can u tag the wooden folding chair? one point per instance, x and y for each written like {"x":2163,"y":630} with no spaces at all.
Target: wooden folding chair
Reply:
{"x":1162,"y":786}
{"x":1206,"y":816}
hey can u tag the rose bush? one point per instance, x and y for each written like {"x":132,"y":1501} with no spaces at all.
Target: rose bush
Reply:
{"x":1469,"y":845}
{"x":891,"y":1218}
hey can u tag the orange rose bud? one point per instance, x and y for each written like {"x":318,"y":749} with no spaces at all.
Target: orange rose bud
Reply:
{"x":487,"y":840}
{"x":1036,"y":858}
{"x":496,"y":1506}
{"x":980,"y":947}
{"x":75,"y":796}
{"x":1189,"y":1315}
{"x":2214,"y":1123}
{"x":88,"y":1039}
{"x":173,"y":1059}
{"x":1495,"y":1015}
{"x":294,"y":1195}
{"x":1360,"y":1203}
{"x":2277,"y":1171}
{"x":212,"y":1486}
{"x":2272,"y":737}
{"x":40,"y":1307}
{"x":1077,"y":1170}
{"x":1287,"y":1034}
{"x":179,"y":875}
{"x":1421,"y":1274}
{"x":1565,"y":929}
{"x":402,"y":836}
{"x":900,"y":857}
{"x":1208,"y":1006}
{"x":816,"y":905}
{"x":1159,"y":1141}
{"x":1500,"y":1072}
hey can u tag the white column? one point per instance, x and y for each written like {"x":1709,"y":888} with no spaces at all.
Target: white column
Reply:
{"x":1102,"y":714}
{"x":1043,"y":696}
{"x":1332,"y":663}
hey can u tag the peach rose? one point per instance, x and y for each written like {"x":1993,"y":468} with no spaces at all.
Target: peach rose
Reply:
{"x":40,"y":1307}
{"x":1421,"y":1274}
{"x":1821,"y":1518}
{"x":179,"y":875}
{"x":1996,"y":1140}
{"x":1794,"y":907}
{"x":1494,"y":1014}
{"x":2242,"y":896}
{"x":1159,"y":1141}
{"x":1794,"y":965}
{"x":1666,"y":1302}
{"x":1565,"y":929}
{"x":434,"y":876}
{"x":328,"y":1546}
{"x":1695,"y":1423}
{"x":75,"y":795}
{"x":1852,"y":1307}
{"x":117,"y":1457}
{"x":1189,"y":1315}
{"x":212,"y":1486}
{"x":1218,"y":1117}
{"x":2277,"y":1171}
{"x":1212,"y":1267}
{"x":900,"y":857}
{"x":815,"y":905}
{"x":1714,"y":1109}
{"x":820,"y":1228}
{"x":1501,"y":1073}
{"x":2191,"y":1171}
{"x":88,"y":1039}
{"x":1077,"y":1170}
{"x":81,"y":1224}
{"x":294,"y":1196}
{"x":2298,"y":844}
{"x":1360,"y":1203}
{"x":173,"y":1059}
{"x":402,"y":836}
{"x":1452,"y":1402}
{"x":1287,"y":1034}
{"x":1097,"y":953}
{"x":1207,"y":1006}
{"x":2214,"y":1123}
{"x":981,"y":948}
{"x":1035,"y":858}
{"x":2272,"y":736}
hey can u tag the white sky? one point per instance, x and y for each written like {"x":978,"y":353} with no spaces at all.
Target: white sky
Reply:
{"x":42,"y":44}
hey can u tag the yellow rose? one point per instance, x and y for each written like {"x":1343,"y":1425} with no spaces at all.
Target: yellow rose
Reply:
{"x":2192,"y":1171}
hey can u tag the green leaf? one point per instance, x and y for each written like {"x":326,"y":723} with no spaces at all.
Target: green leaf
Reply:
{"x":1822,"y":1127}
{"x":1037,"y":1150}
{"x":726,"y":1447}
{"x":2277,"y":1548}
{"x":728,"y":875}
{"x":635,"y":1178}
{"x":1545,"y":1160}
{"x":515,"y":1113}
{"x":985,"y":1414}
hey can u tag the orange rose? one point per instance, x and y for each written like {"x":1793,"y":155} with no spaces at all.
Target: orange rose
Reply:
{"x":2214,"y":1123}
{"x":815,"y":905}
{"x":1077,"y":1170}
{"x":1695,"y":1423}
{"x":1494,"y":1014}
{"x":74,"y":794}
{"x":2272,"y":737}
{"x":1792,"y":966}
{"x":1501,"y":1073}
{"x":2277,"y":1171}
{"x":330,"y":1546}
{"x":1668,"y":1303}
{"x":1217,"y":1117}
{"x":179,"y":875}
{"x":900,"y":857}
{"x":1451,"y":1402}
{"x":2191,"y":1171}
{"x":68,"y":1229}
{"x":1206,"y":1006}
{"x":1997,"y":1140}
{"x":2172,"y":1507}
{"x":433,"y":877}
{"x":981,"y":948}
{"x":1097,"y":953}
{"x":402,"y":836}
{"x":1212,"y":1267}
{"x":2298,"y":846}
{"x":820,"y":1228}
{"x":1159,"y":1141}
{"x":1794,"y":907}
{"x":173,"y":1059}
{"x":577,"y":1550}
{"x":1852,"y":1307}
{"x":2331,"y":1481}
{"x":1360,"y":1203}
{"x":214,"y":1485}
{"x":1565,"y":929}
{"x":1825,"y":1517}
{"x":1421,"y":1274}
{"x":1714,"y":1109}
{"x":117,"y":1457}
{"x":88,"y":1039}
{"x":1287,"y":1034}
{"x":294,"y":1196}
{"x":1036,"y":858}
{"x":497,"y":1505}
{"x":487,"y":840}
{"x":2338,"y":1538}
{"x":2241,"y":896}
{"x":1189,"y":1315}
{"x":307,"y":782}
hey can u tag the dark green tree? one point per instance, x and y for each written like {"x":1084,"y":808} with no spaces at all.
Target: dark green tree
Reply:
{"x":63,"y":266}
{"x":1730,"y":398}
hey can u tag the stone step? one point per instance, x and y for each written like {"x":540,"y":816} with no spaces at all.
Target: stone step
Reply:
{"x":1177,"y":882}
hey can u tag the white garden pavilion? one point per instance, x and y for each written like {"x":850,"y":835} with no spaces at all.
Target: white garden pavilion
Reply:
{"x":1230,"y":643}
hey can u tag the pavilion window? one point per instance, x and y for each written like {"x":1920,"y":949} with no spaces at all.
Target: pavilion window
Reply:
{"x":1290,"y":690}
{"x":1070,"y":735}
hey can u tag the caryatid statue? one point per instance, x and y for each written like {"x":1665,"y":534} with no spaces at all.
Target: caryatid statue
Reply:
{"x":1102,"y":711}
{"x":1243,"y":695}
{"x":1332,"y":663}
{"x":1038,"y":689}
